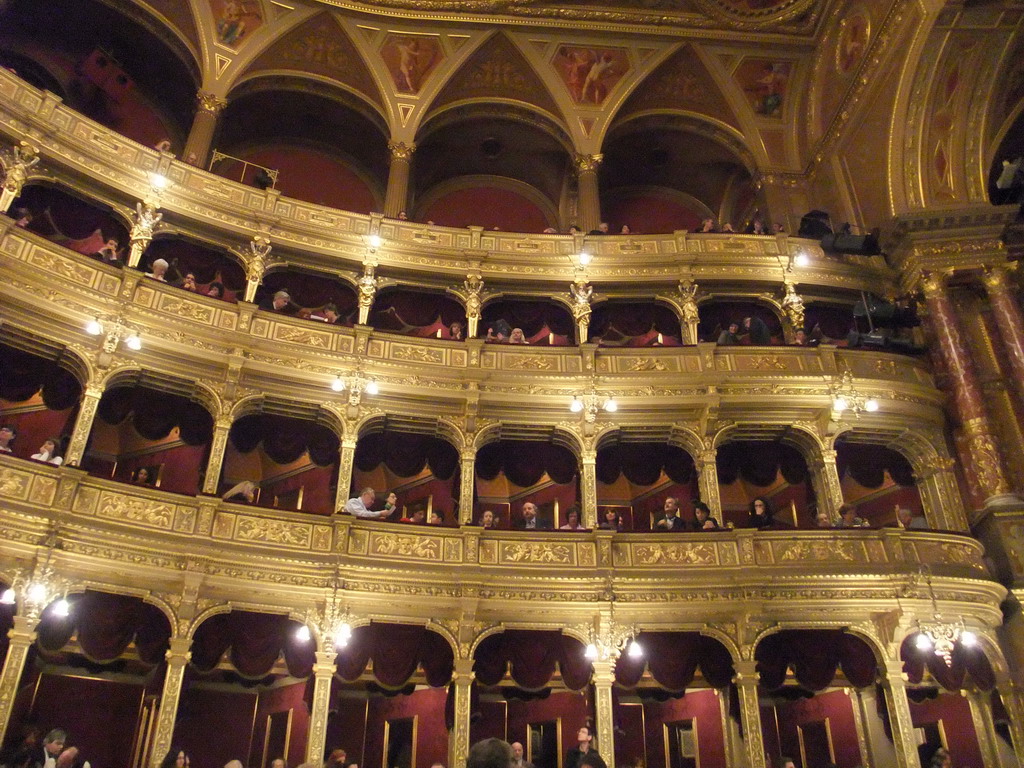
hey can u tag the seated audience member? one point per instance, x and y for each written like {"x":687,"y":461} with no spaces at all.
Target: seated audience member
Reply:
{"x":337,"y":759}
{"x":498,"y":331}
{"x":22,"y":217}
{"x":244,"y":491}
{"x":403,"y":216}
{"x":490,"y":753}
{"x":418,"y":517}
{"x":329,"y":314}
{"x":278,"y":762}
{"x":821,"y":520}
{"x":188,"y":283}
{"x":848,"y":518}
{"x":530,"y":521}
{"x":707,"y":225}
{"x":625,"y":230}
{"x":159,"y":267}
{"x":727,"y":227}
{"x":778,"y":229}
{"x":602,"y":229}
{"x":800,"y":339}
{"x":757,"y":332}
{"x":7,"y":435}
{"x":436,"y":518}
{"x":215,"y":290}
{"x":455,"y":331}
{"x":761,"y":514}
{"x":163,"y":145}
{"x":176,"y":758}
{"x":703,"y":521}
{"x":730,"y":337}
{"x":277,"y":303}
{"x":488,"y":520}
{"x":572,"y":521}
{"x":612,"y":521}
{"x":391,"y":503}
{"x":757,"y":227}
{"x":670,"y":521}
{"x":574,"y":230}
{"x":48,"y":452}
{"x":108,"y":253}
{"x":359,"y":506}
{"x":142,"y":477}
{"x":550,"y":231}
{"x":907,"y":519}
{"x":517,"y":337}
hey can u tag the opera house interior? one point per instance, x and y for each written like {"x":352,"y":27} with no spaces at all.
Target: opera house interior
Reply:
{"x":378,"y":377}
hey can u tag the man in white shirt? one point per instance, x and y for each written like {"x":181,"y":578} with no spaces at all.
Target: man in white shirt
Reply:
{"x":517,"y":756}
{"x":360,"y":505}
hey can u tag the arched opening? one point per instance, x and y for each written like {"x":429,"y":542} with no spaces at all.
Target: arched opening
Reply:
{"x":876,"y":480}
{"x":249,"y":677}
{"x":738,"y":321}
{"x":291,"y":461}
{"x":127,"y":71}
{"x":539,"y":323}
{"x":328,"y":147}
{"x":311,"y":296}
{"x":96,"y":672}
{"x":513,"y":472}
{"x":214,"y":272}
{"x":635,"y":478}
{"x":634,"y":324}
{"x":83,"y":226}
{"x":1006,"y":175}
{"x":424,"y":314}
{"x":826,"y":322}
{"x":671,"y":696}
{"x":532,"y":687}
{"x":149,"y":436}
{"x":421,"y":470}
{"x":770,"y":471}
{"x":39,"y":399}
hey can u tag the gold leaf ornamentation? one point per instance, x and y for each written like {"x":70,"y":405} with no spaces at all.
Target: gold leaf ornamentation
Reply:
{"x":537,"y":552}
{"x":273,"y":531}
{"x":403,"y":545}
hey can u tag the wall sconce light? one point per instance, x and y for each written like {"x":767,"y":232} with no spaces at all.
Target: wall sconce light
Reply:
{"x":94,"y":327}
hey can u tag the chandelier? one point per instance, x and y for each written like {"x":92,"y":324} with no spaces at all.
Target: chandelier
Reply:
{"x":609,"y":641}
{"x":845,"y":396}
{"x":333,"y":624}
{"x":33,"y":591}
{"x":939,"y":636}
{"x":590,"y":403}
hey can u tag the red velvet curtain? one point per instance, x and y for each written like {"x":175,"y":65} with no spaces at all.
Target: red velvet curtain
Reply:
{"x":716,"y":317}
{"x":965,"y":662}
{"x":64,"y":218}
{"x":255,"y":642}
{"x":207,"y":264}
{"x":311,"y":291}
{"x":759,"y":462}
{"x":182,"y":465}
{"x":285,"y":439}
{"x":316,"y":484}
{"x":534,"y":317}
{"x":396,"y":650}
{"x":643,"y":463}
{"x":405,"y":311}
{"x":106,"y":624}
{"x":673,"y":659}
{"x":868,"y":463}
{"x":619,"y":324}
{"x":814,"y":655}
{"x":525,"y":461}
{"x":834,"y":322}
{"x":25,"y":374}
{"x":531,"y":656}
{"x":154,"y":414}
{"x":406,"y":454}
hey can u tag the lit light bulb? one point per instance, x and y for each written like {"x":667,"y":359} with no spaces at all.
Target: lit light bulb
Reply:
{"x":61,"y":608}
{"x":303,"y":635}
{"x":133,"y":342}
{"x":610,"y":405}
{"x":801,"y":259}
{"x":585,"y":258}
{"x":634,"y":650}
{"x":340,"y":642}
{"x":968,"y":639}
{"x":372,"y":388}
{"x":158,"y":181}
{"x":576,"y":405}
{"x":338,"y":385}
{"x":344,"y":631}
{"x":375,"y":241}
{"x":871,"y":405}
{"x":591,"y":651}
{"x":923,"y":643}
{"x":36,"y":593}
{"x":840,"y":404}
{"x":94,"y":327}
{"x":8,"y":597}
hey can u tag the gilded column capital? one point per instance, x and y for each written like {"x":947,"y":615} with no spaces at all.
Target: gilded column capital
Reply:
{"x":587,"y":163}
{"x":210,"y":103}
{"x":997,"y":278}
{"x":934,"y":283}
{"x":401,"y":151}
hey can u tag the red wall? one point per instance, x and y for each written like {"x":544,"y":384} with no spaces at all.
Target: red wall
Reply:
{"x":101,"y":716}
{"x":574,"y":709}
{"x":837,"y":706}
{"x":955,"y":713}
{"x":431,"y":735}
{"x":346,"y":725}
{"x":488,"y":719}
{"x":648,"y":732}
{"x":487,"y":207}
{"x":214,"y":726}
{"x":281,"y":700}
{"x":309,"y":175}
{"x":650,"y":215}
{"x":36,"y":426}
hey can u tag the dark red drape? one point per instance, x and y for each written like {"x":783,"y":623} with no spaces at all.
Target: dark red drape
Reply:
{"x":396,"y":650}
{"x":814,"y":655}
{"x":524,"y":462}
{"x":106,"y":624}
{"x":643,"y":463}
{"x":530,"y":656}
{"x":311,"y":291}
{"x":759,"y":463}
{"x":532,"y":316}
{"x":716,"y":316}
{"x":25,"y":374}
{"x":673,"y":659}
{"x":65,"y":218}
{"x":964,"y":662}
{"x":406,"y":454}
{"x":867,"y":464}
{"x":617,"y":323}
{"x":833,"y":322}
{"x":255,"y":642}
{"x":207,"y":264}
{"x":284,"y":439}
{"x":154,"y":414}
{"x":405,"y":311}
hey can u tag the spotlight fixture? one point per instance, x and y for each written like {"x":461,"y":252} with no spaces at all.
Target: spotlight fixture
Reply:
{"x":94,"y":327}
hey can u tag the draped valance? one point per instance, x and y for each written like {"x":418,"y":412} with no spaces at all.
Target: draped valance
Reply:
{"x":254,"y":642}
{"x":673,"y":659}
{"x":396,"y":651}
{"x":964,"y":662}
{"x":530,"y":657}
{"x":867,"y":464}
{"x":814,"y":655}
{"x":285,"y":439}
{"x":759,"y":463}
{"x":155,"y":414}
{"x":406,"y":455}
{"x":643,"y":463}
{"x":524,"y":462}
{"x":25,"y":374}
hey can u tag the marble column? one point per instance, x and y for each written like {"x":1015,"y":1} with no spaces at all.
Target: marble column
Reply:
{"x":985,"y":728}
{"x":1013,"y":702}
{"x":177,"y":656}
{"x":83,"y":425}
{"x":589,"y":198}
{"x":1009,"y":318}
{"x":211,"y":481}
{"x":467,"y":482}
{"x":707,"y":480}
{"x":204,"y":126}
{"x":981,"y":462}
{"x":323,"y":674}
{"x":20,"y":639}
{"x":588,"y":478}
{"x":901,"y":725}
{"x":746,"y":681}
{"x":348,"y":455}
{"x":458,"y":737}
{"x":397,"y":195}
{"x":604,"y":716}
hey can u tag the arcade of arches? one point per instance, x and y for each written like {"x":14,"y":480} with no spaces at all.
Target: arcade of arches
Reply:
{"x":257,"y":257}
